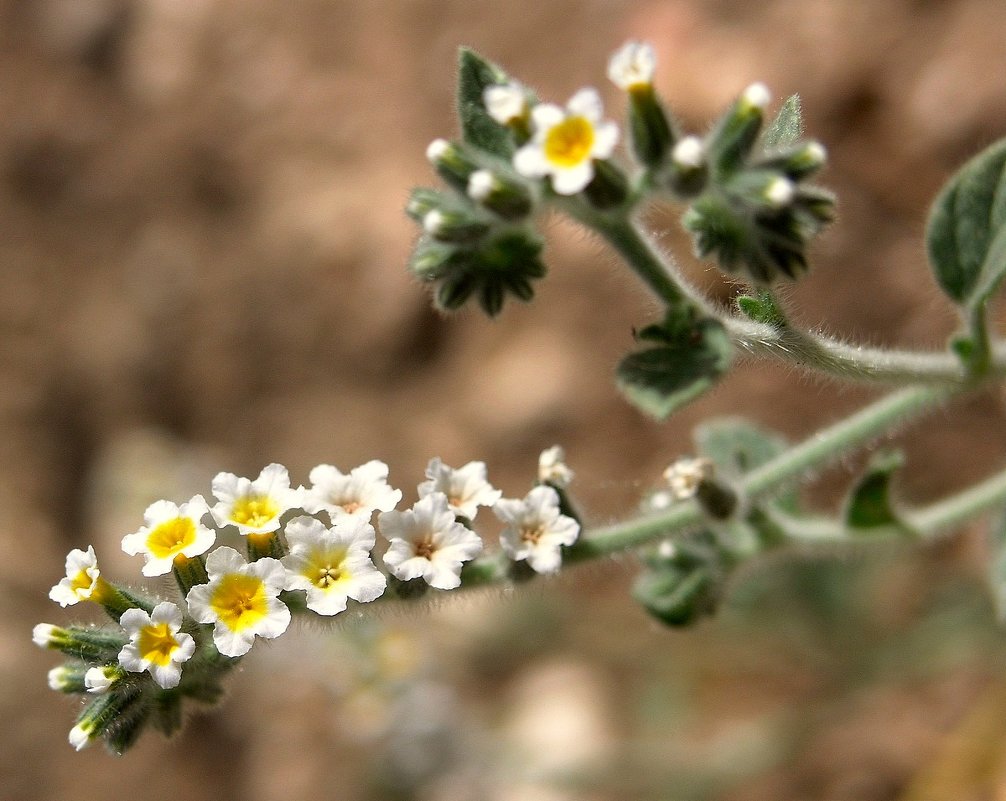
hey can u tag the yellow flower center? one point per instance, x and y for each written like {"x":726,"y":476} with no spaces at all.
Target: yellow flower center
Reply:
{"x":239,"y":601}
{"x":569,"y":143}
{"x":81,"y":582}
{"x":171,"y":537}
{"x":326,"y":569}
{"x":531,"y":535}
{"x":254,"y":510}
{"x":349,"y":505}
{"x":157,"y":643}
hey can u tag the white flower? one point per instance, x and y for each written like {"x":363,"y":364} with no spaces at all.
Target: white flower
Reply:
{"x":428,"y":542}
{"x":83,"y":580}
{"x":255,"y":507}
{"x":685,"y":475}
{"x":565,"y":143}
{"x":689,"y":153}
{"x":99,"y":680}
{"x":466,"y":488}
{"x":170,"y":531}
{"x":505,"y":103}
{"x":535,"y":530}
{"x":332,"y":564}
{"x":632,"y":66}
{"x":552,"y":467}
{"x":156,"y":643}
{"x":240,"y":600}
{"x":361,"y":492}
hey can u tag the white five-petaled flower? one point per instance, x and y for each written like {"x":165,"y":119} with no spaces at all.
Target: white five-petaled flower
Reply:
{"x":566,"y":142}
{"x":427,"y":541}
{"x":241,"y":600}
{"x":332,"y":564}
{"x":255,"y":507}
{"x":170,"y":531}
{"x":83,"y":580}
{"x":466,"y":488}
{"x":359,"y":494}
{"x":632,"y":66}
{"x":505,"y":103}
{"x":156,"y":643}
{"x":535,"y":529}
{"x":685,"y":475}
{"x":552,"y":467}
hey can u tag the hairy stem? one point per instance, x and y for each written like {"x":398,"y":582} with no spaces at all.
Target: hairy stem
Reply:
{"x":784,"y":341}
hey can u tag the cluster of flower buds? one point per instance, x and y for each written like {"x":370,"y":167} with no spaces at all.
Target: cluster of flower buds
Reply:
{"x":307,"y":550}
{"x":749,"y":204}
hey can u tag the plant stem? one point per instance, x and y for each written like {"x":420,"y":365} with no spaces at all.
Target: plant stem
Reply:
{"x":785,"y":341}
{"x":876,"y":419}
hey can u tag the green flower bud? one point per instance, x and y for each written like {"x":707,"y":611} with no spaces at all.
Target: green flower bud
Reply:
{"x":100,"y":714}
{"x":504,"y":197}
{"x":454,"y":226}
{"x":87,"y":644}
{"x":688,"y":171}
{"x":796,"y":163}
{"x":453,"y":162}
{"x":67,"y":679}
{"x":609,"y":188}
{"x":736,"y":133}
{"x":650,"y":131}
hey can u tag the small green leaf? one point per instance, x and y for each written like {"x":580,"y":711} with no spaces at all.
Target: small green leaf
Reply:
{"x":688,"y":362}
{"x":761,"y":308}
{"x":475,"y":74}
{"x":682,"y":581}
{"x":736,"y":445}
{"x":966,"y":232}
{"x":869,"y":506}
{"x":787,"y":127}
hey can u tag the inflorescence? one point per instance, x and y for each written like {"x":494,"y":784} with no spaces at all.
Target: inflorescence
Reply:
{"x":307,"y":550}
{"x":748,"y":202}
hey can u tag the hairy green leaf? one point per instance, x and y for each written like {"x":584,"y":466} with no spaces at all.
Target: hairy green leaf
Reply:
{"x":477,"y":127}
{"x":736,"y":445}
{"x":869,"y":506}
{"x":686,"y":363}
{"x":966,"y":232}
{"x":787,"y":127}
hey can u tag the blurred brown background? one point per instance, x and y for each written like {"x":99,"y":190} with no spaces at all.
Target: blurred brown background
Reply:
{"x":203,"y":250}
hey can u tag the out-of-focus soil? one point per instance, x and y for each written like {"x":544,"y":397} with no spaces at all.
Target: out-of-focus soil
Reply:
{"x":203,"y":251}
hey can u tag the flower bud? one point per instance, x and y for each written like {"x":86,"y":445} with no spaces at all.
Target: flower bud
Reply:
{"x":688,"y":171}
{"x":99,"y":715}
{"x":796,"y":163}
{"x":86,"y":644}
{"x":453,"y":162}
{"x":609,"y":188}
{"x":505,"y":198}
{"x":736,"y":133}
{"x":454,"y":226}
{"x":67,"y":679}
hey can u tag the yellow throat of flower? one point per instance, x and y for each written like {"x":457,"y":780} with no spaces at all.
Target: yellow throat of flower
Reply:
{"x":254,"y":510}
{"x":157,"y":644}
{"x":570,"y":142}
{"x":171,"y":537}
{"x":239,"y":601}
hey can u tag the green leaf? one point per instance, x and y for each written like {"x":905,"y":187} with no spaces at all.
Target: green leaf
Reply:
{"x":787,"y":126}
{"x":736,"y":445}
{"x":869,"y":506}
{"x":966,"y":232}
{"x":686,"y":363}
{"x":682,"y":581}
{"x":997,"y":564}
{"x":477,"y":127}
{"x":761,"y":308}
